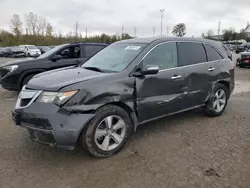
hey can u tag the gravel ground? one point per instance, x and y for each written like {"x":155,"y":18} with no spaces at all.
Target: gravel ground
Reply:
{"x":185,"y":150}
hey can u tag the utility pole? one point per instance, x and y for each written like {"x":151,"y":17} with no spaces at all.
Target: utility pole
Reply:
{"x":154,"y":31}
{"x":86,"y":34}
{"x":167,"y":30}
{"x":135,"y":31}
{"x":76,"y":32}
{"x":161,"y":10}
{"x":219,"y":28}
{"x":122,"y":30}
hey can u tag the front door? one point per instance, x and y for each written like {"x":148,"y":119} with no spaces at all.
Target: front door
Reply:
{"x":69,"y":56}
{"x":160,"y":94}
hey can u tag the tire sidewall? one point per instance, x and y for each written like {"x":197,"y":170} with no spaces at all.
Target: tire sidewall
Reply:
{"x":92,"y":126}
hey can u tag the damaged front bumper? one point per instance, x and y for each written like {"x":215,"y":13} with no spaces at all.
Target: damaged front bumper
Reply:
{"x":50,"y":124}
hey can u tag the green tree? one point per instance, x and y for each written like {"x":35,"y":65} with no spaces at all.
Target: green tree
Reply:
{"x":229,"y":34}
{"x":179,"y":30}
{"x":16,"y":25}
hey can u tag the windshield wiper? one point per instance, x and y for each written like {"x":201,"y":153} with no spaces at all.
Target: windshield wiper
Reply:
{"x":94,"y":69}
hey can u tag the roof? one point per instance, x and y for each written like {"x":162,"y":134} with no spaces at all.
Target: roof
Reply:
{"x":165,"y":39}
{"x":90,"y":43}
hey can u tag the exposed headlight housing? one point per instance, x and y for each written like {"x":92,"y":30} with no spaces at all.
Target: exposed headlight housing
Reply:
{"x":10,"y":68}
{"x":58,"y":98}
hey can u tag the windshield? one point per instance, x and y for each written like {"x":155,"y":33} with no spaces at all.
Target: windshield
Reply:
{"x":51,"y":51}
{"x":46,"y":48}
{"x":32,"y":47}
{"x":115,"y":57}
{"x":15,"y":48}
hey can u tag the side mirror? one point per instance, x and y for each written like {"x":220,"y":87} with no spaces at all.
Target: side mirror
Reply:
{"x":56,"y":57}
{"x":150,"y":69}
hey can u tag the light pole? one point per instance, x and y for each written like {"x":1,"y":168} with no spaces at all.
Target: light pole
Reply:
{"x":161,"y":10}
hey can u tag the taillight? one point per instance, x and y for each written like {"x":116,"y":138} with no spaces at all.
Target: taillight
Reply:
{"x":233,"y":65}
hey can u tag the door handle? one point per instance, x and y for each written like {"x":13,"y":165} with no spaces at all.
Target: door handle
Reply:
{"x":175,"y":77}
{"x":211,"y":69}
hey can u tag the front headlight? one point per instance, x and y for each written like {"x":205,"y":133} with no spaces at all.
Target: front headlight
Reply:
{"x":58,"y":98}
{"x":10,"y":68}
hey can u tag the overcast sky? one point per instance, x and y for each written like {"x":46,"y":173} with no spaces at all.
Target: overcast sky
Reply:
{"x":108,"y":16}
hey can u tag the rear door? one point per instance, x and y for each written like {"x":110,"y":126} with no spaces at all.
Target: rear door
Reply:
{"x":199,"y":74}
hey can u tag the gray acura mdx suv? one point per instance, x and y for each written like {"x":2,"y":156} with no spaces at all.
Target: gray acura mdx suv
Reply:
{"x":100,"y":104}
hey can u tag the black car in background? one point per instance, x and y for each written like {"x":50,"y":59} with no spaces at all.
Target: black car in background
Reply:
{"x":99,"y":104}
{"x":2,"y":52}
{"x":244,"y":60}
{"x":43,"y":49}
{"x":14,"y":52}
{"x":242,"y":48}
{"x":15,"y":74}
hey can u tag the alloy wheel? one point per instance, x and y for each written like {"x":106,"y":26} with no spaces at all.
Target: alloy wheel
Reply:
{"x":110,"y":133}
{"x":219,"y":100}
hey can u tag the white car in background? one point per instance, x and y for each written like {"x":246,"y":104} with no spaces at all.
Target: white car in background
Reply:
{"x":30,"y":50}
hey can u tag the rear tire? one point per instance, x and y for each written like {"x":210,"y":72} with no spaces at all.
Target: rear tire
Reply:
{"x":26,"y":80}
{"x":217,"y":102}
{"x":105,"y":136}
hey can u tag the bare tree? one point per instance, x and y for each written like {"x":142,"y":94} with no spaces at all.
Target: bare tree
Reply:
{"x":16,"y":25}
{"x":179,"y":30}
{"x":41,"y":26}
{"x":210,"y":33}
{"x":31,"y":22}
{"x":49,"y":29}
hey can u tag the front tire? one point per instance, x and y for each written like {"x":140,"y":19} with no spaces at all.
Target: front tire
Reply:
{"x":107,"y":133}
{"x":217,"y":103}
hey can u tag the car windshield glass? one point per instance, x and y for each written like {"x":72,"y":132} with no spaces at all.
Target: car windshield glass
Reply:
{"x":51,"y":51}
{"x":115,"y":57}
{"x":45,"y":48}
{"x":15,"y":48}
{"x":32,"y":47}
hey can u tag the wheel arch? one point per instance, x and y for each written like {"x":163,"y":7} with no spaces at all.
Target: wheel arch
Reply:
{"x":28,"y":73}
{"x":225,"y":83}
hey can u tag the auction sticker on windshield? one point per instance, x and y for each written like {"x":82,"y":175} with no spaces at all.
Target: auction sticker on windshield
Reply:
{"x":132,"y":48}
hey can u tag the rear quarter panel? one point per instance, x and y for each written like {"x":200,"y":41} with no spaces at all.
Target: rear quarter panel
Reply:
{"x":224,"y":71}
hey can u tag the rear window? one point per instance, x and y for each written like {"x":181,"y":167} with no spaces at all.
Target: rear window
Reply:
{"x":212,"y":54}
{"x":92,"y":50}
{"x":191,"y":53}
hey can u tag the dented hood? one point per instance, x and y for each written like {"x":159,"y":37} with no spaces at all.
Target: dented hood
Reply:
{"x":57,"y":79}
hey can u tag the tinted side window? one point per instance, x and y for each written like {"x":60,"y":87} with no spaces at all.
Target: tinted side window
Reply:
{"x":212,"y":54}
{"x":164,"y":55}
{"x":70,"y":52}
{"x":191,"y":53}
{"x":92,"y":50}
